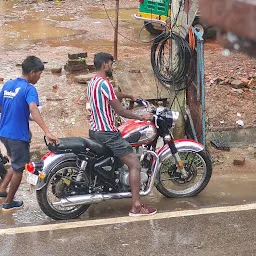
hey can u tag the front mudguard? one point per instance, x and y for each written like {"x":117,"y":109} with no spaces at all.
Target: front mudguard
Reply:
{"x":182,"y":146}
{"x":50,"y":163}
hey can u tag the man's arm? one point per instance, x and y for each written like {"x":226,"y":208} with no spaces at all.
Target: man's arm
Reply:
{"x":39,"y":120}
{"x":121,"y":111}
{"x":121,"y":95}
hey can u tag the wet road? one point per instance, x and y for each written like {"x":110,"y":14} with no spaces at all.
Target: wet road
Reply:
{"x":222,"y":190}
{"x":219,"y":221}
{"x":212,"y":234}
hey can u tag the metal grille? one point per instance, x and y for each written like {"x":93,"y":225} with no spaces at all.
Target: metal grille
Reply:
{"x":161,"y":7}
{"x":151,"y":5}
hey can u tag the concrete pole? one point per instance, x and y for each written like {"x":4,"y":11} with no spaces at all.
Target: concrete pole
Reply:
{"x":116,"y":30}
{"x":179,"y":130}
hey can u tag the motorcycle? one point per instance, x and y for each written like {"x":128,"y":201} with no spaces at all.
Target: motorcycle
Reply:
{"x":3,"y":160}
{"x":81,"y":171}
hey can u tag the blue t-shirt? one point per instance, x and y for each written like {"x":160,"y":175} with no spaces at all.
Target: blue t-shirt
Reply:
{"x":15,"y":97}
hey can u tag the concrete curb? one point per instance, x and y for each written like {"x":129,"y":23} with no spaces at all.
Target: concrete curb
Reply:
{"x":233,"y":136}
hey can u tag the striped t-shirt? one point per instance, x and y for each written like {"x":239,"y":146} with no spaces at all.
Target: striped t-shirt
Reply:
{"x":100,"y":92}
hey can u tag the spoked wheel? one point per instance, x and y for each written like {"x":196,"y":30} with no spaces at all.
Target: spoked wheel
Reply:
{"x":199,"y":169}
{"x":60,"y":184}
{"x":2,"y":171}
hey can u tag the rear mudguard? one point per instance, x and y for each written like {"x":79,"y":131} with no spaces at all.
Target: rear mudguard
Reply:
{"x":51,"y":162}
{"x":181,"y":145}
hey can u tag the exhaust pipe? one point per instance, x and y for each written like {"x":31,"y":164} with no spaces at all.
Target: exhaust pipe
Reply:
{"x":94,"y":198}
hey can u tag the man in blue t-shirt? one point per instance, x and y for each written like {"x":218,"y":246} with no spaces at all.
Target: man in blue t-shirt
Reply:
{"x":18,"y":99}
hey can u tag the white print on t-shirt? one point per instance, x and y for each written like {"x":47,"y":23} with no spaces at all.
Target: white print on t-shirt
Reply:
{"x":10,"y":94}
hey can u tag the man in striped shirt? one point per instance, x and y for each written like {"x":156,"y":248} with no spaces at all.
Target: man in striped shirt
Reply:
{"x":103,"y":104}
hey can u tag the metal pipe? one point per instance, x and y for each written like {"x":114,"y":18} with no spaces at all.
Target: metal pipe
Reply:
{"x":94,"y":198}
{"x":203,"y":97}
{"x":116,"y":30}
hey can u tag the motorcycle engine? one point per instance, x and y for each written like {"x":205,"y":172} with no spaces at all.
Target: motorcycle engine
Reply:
{"x":124,"y":175}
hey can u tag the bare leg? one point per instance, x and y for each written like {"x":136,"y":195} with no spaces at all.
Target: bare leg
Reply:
{"x":14,"y":185}
{"x":6,"y":180}
{"x":133,"y":163}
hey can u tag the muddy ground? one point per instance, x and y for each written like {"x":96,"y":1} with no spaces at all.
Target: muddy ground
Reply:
{"x":52,"y":29}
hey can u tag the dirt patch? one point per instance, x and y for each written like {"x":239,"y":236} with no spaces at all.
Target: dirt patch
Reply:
{"x":84,"y":26}
{"x":224,"y":162}
{"x":222,"y":101}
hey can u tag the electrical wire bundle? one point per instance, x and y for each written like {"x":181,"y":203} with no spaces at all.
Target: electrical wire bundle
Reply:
{"x":171,"y":60}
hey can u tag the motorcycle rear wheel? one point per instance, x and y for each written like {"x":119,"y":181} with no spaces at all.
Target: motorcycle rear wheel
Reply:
{"x":2,"y":171}
{"x":170,"y":183}
{"x":58,"y":213}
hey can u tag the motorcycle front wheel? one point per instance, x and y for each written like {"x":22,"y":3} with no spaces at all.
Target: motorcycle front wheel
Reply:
{"x":58,"y":184}
{"x":199,"y":169}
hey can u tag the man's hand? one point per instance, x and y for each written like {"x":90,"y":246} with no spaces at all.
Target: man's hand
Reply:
{"x":51,"y":138}
{"x":134,"y":98}
{"x":147,"y":116}
{"x":88,"y":111}
{"x":121,"y":95}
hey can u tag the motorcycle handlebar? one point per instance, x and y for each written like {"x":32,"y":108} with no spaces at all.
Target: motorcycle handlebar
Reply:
{"x":51,"y":146}
{"x":142,"y":102}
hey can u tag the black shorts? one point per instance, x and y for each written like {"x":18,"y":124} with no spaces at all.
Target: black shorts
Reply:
{"x":114,"y":141}
{"x":18,"y":151}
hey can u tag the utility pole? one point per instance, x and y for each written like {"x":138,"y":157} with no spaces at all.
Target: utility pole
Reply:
{"x":116,"y":30}
{"x":180,"y":101}
{"x":185,"y":19}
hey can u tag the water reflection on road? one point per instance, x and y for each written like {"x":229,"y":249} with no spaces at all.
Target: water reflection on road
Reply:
{"x":221,"y":191}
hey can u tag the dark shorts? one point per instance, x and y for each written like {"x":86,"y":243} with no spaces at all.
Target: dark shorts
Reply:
{"x":114,"y":141}
{"x":18,"y":151}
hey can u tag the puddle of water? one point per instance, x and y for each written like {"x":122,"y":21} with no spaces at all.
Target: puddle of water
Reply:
{"x":126,"y":19}
{"x":37,"y":26}
{"x":124,"y":14}
{"x":18,"y":32}
{"x":37,"y":30}
{"x":31,"y":27}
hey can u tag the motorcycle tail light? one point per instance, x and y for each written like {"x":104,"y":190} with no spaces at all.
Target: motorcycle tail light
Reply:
{"x":46,"y":155}
{"x":30,"y":167}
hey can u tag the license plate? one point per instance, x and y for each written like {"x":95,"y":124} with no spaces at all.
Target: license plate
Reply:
{"x":32,"y":178}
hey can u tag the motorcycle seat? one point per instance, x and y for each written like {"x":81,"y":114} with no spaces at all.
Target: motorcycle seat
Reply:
{"x":77,"y":145}
{"x":95,"y":146}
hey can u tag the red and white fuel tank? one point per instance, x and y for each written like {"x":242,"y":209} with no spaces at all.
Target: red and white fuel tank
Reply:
{"x":138,"y":133}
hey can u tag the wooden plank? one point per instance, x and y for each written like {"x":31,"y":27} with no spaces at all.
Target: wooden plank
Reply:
{"x":138,"y":83}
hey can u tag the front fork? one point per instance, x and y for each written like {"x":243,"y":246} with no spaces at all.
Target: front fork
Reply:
{"x":170,"y":140}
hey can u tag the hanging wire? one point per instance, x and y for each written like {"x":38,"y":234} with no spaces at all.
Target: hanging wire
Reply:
{"x":172,"y":77}
{"x":173,"y":74}
{"x":129,"y":39}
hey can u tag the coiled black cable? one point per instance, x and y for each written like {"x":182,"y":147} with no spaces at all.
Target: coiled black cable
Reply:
{"x":174,"y":72}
